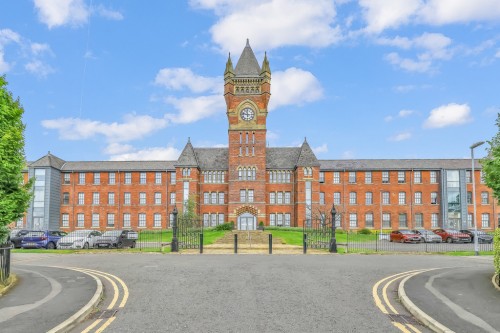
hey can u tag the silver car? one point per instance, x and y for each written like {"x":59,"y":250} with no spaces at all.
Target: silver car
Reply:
{"x":428,"y":236}
{"x":78,"y":239}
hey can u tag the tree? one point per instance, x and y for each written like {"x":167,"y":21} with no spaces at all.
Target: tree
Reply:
{"x":14,"y":195}
{"x":491,"y":163}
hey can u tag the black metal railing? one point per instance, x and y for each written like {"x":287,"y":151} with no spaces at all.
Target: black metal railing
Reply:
{"x":380,"y":242}
{"x":4,"y":263}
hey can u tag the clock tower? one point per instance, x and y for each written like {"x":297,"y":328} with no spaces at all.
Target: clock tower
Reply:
{"x":247,"y":89}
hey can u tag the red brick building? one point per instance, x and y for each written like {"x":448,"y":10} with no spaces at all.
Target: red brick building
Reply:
{"x":248,"y":183}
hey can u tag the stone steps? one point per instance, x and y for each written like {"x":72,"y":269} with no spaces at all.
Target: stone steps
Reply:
{"x":254,"y":237}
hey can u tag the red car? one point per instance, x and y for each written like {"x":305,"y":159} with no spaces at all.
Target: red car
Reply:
{"x":453,"y":236}
{"x":404,"y":236}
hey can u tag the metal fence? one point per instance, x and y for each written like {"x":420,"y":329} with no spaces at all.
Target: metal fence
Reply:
{"x":4,"y":263}
{"x":380,"y":242}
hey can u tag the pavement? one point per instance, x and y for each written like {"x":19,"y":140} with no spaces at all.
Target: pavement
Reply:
{"x":48,"y":299}
{"x":458,"y":299}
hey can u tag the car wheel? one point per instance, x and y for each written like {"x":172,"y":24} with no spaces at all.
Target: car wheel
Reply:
{"x":132,"y":246}
{"x":402,"y":240}
{"x":422,"y":240}
{"x":86,"y":245}
{"x":119,"y":245}
{"x":390,"y":239}
{"x":51,"y":246}
{"x":449,"y":240}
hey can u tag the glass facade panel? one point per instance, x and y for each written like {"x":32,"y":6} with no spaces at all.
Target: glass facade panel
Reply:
{"x":453,"y":197}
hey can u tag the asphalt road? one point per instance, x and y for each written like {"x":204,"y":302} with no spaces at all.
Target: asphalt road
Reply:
{"x":43,"y":298}
{"x":253,"y":293}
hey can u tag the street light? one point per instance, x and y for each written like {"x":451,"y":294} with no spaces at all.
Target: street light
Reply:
{"x":475,"y":145}
{"x":333,"y":241}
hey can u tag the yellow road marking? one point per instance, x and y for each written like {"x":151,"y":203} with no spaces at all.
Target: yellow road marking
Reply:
{"x":124,"y":286}
{"x":94,"y":324}
{"x":401,"y":327}
{"x":106,"y":324}
{"x":416,"y":330}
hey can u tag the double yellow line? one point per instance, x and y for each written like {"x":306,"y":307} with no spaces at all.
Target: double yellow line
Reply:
{"x":383,"y":302}
{"x":120,"y":289}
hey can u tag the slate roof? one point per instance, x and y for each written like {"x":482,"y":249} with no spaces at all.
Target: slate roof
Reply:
{"x":306,"y":156}
{"x":393,"y":164}
{"x":187,"y":157}
{"x":48,"y":160}
{"x":119,"y":166}
{"x":247,"y":64}
{"x":212,"y":158}
{"x":282,"y":158}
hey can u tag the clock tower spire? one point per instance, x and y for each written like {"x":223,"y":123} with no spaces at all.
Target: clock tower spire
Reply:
{"x":247,"y":90}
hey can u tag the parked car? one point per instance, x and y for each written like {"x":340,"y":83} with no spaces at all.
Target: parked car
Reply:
{"x":452,"y":236}
{"x":404,"y":236}
{"x":117,"y":238}
{"x":482,"y":237}
{"x":42,"y":239}
{"x":79,"y":239}
{"x":16,"y":235}
{"x":427,"y":236}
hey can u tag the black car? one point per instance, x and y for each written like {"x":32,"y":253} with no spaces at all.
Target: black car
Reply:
{"x":117,"y":238}
{"x":16,"y":236}
{"x":482,"y":237}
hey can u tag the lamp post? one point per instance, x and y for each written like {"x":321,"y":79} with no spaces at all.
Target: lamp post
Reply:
{"x":475,"y":145}
{"x":333,"y":241}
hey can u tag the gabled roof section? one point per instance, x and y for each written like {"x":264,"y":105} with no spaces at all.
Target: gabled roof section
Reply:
{"x":282,"y":158}
{"x":48,"y":160}
{"x":306,"y":156}
{"x":212,"y":158}
{"x":247,"y":64}
{"x":188,"y":157}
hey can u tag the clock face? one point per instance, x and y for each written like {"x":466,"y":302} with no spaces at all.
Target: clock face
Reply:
{"x":247,"y":114}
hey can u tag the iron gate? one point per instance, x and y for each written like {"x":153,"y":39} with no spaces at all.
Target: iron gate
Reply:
{"x":317,"y":233}
{"x":190,"y":233}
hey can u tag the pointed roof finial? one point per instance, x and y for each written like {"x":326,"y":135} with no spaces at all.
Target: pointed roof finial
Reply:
{"x":305,"y":139}
{"x":248,"y":42}
{"x":247,"y":64}
{"x":189,"y":139}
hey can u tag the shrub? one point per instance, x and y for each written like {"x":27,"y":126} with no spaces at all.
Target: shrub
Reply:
{"x":496,"y":260}
{"x":261,"y":224}
{"x":224,"y":226}
{"x":364,"y":231}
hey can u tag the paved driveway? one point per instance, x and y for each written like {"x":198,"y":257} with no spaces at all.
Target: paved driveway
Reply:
{"x":253,"y":293}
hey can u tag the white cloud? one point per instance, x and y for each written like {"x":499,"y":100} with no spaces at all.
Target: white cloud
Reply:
{"x":388,"y":14}
{"x":192,"y":109}
{"x":4,"y":66}
{"x":448,"y":115}
{"x":294,"y":87}
{"x":39,"y":48}
{"x":388,"y":118}
{"x":134,"y":127}
{"x":7,"y":36}
{"x":348,"y":155}
{"x":55,"y":13}
{"x":405,"y":113}
{"x":149,"y":154}
{"x":421,"y":65}
{"x":320,"y":149}
{"x":181,"y":78}
{"x":310,"y":21}
{"x":116,"y":148}
{"x":400,"y":136}
{"x":497,"y":55}
{"x":38,"y":68}
{"x":108,"y":13}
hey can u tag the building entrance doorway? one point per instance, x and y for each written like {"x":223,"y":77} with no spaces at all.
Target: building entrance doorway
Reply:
{"x":246,"y":222}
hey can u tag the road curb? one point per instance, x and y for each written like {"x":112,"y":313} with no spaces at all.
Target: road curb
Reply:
{"x":13,"y":281}
{"x":493,"y":279}
{"x":79,"y":316}
{"x":417,"y":312}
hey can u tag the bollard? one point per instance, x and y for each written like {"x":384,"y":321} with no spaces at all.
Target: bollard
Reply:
{"x":270,"y":244}
{"x":235,"y":243}
{"x":201,"y":243}
{"x":305,"y":244}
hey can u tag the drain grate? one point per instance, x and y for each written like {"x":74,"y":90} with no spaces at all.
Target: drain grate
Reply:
{"x":403,"y":319}
{"x":105,"y":314}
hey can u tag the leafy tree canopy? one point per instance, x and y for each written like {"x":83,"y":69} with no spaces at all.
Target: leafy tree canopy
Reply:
{"x":14,"y":195}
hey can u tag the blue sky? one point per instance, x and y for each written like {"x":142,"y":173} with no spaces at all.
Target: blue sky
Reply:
{"x":132,"y":80}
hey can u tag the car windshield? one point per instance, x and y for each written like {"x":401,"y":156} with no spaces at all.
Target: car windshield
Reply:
{"x":35,"y":234}
{"x":13,"y":233}
{"x":78,"y":233}
{"x":450,"y":231}
{"x":426,"y":232}
{"x":406,"y":232}
{"x":112,"y":233}
{"x":480,"y":232}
